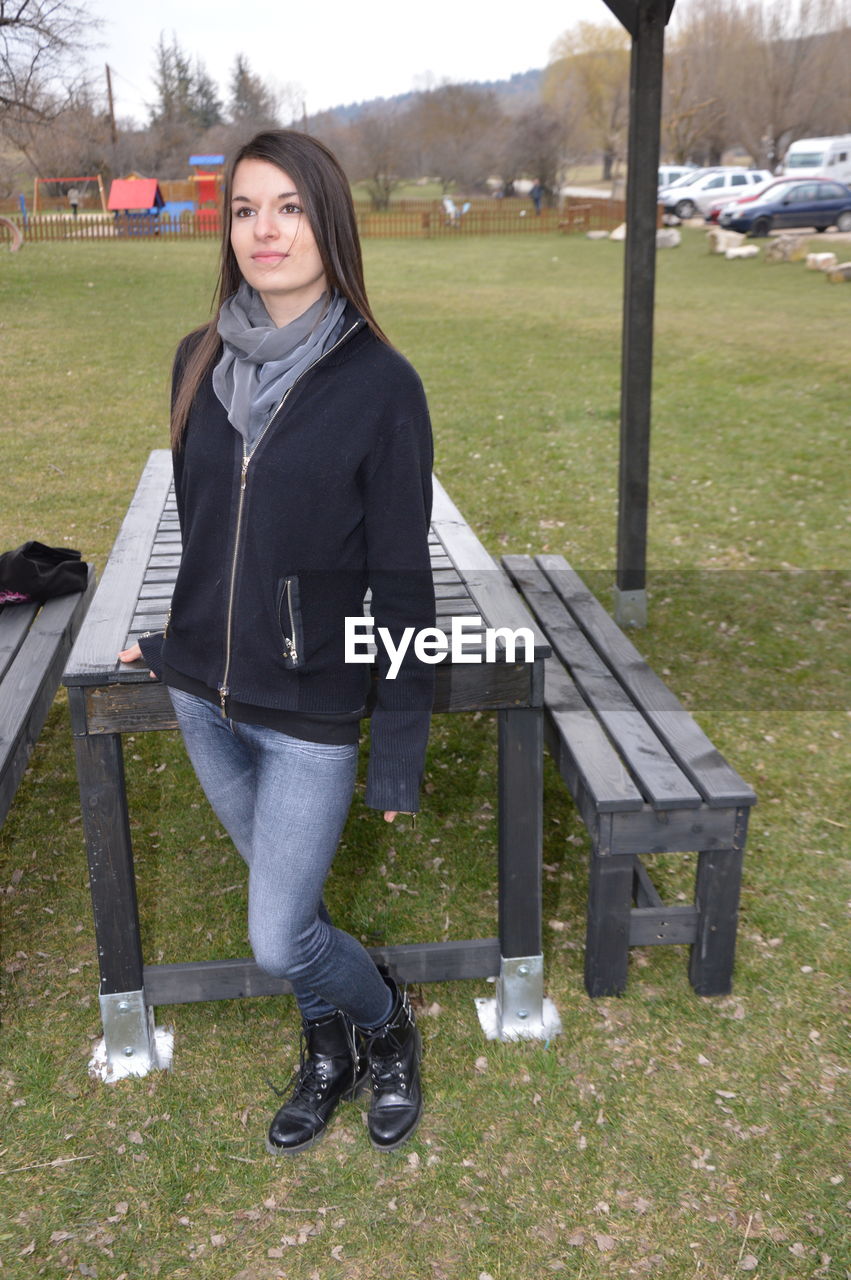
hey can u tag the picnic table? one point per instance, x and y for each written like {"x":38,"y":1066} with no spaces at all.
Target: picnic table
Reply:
{"x":108,"y":699}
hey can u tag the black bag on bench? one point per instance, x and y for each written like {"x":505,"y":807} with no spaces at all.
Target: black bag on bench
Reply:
{"x":40,"y":573}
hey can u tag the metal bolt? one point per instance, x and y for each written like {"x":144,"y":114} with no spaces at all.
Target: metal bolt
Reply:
{"x":523,"y":970}
{"x":522,"y":1013}
{"x":123,"y":1005}
{"x":128,"y":1051}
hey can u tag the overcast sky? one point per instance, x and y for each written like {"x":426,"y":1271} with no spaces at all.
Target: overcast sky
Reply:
{"x":336,"y":51}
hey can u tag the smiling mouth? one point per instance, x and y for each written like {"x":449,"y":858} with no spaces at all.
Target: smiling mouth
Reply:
{"x":268,"y":257}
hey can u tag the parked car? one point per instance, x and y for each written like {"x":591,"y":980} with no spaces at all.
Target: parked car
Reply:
{"x":814,"y":157}
{"x":718,"y":209}
{"x":812,"y":203}
{"x":669,"y":173}
{"x":689,"y":198}
{"x":686,"y":180}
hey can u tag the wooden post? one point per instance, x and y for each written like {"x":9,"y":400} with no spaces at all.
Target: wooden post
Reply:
{"x":521,"y":751}
{"x":645,"y":20}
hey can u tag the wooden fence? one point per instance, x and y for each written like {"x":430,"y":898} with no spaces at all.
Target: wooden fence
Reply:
{"x":413,"y":219}
{"x":203,"y":225}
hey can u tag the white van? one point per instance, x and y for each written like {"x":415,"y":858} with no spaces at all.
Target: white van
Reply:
{"x":819,"y":157}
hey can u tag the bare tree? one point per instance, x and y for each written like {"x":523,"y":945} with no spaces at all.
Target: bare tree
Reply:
{"x":535,"y":146}
{"x":378,"y":153}
{"x":787,"y":72}
{"x":457,"y":134}
{"x":77,"y":141}
{"x":697,"y":119}
{"x":38,"y":42}
{"x":756,"y":75}
{"x":589,"y":75}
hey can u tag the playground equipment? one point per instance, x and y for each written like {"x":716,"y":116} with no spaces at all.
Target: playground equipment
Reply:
{"x":92,"y":181}
{"x":136,"y":203}
{"x":206,"y":183}
{"x":16,"y":239}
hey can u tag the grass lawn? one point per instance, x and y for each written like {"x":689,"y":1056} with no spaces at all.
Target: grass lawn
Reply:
{"x":661,"y":1134}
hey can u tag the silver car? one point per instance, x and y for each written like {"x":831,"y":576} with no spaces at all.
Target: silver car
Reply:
{"x":688,"y":198}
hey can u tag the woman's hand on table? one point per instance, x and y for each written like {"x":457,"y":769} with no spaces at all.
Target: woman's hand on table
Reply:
{"x":133,"y":654}
{"x":391,"y":814}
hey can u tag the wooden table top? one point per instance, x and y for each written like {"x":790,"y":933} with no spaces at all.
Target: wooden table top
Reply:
{"x":135,"y":589}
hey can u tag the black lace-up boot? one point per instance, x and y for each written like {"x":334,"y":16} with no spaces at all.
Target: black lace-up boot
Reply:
{"x":332,"y":1067}
{"x":393,"y":1053}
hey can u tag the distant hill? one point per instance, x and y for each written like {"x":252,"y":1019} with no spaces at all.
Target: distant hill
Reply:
{"x":523,"y":86}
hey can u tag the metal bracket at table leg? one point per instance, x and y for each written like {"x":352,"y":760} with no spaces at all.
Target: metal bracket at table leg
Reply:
{"x":131,"y":1044}
{"x":519,"y":1010}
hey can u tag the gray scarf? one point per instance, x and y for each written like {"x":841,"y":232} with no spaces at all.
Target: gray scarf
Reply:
{"x":260,"y":362}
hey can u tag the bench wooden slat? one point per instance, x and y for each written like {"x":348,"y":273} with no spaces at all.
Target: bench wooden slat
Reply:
{"x":718,"y":782}
{"x":15,"y":622}
{"x":30,"y":682}
{"x":662,"y":782}
{"x":591,"y":762}
{"x":93,"y":657}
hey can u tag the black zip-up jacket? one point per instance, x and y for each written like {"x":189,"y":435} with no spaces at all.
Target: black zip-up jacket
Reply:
{"x":280,"y":543}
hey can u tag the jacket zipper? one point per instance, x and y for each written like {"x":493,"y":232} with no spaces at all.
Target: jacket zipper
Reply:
{"x":290,"y":642}
{"x":224,"y":688}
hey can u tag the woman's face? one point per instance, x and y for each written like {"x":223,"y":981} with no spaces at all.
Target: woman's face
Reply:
{"x":273,"y":242}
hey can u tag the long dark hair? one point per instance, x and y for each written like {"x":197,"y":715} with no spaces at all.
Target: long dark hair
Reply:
{"x":324,"y":192}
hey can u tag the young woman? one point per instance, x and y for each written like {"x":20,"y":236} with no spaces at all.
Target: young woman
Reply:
{"x":302,"y":462}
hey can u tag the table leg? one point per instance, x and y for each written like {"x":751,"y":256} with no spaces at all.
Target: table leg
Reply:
{"x":520,"y":1008}
{"x":129,"y":1040}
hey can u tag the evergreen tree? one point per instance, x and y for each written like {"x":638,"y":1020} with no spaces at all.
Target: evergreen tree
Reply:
{"x":251,"y":102}
{"x":186,"y":95}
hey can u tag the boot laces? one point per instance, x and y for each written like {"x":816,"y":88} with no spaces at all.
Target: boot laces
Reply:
{"x":388,"y":1075}
{"x":387,"y":1071}
{"x":309,"y":1080}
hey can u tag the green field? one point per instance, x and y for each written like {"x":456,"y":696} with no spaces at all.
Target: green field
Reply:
{"x":660,"y":1134}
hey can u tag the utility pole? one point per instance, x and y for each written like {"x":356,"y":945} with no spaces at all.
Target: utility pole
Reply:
{"x":113,"y":132}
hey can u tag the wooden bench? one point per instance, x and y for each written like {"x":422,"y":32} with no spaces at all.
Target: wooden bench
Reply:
{"x":577,"y":218}
{"x":35,"y":640}
{"x":645,"y":779}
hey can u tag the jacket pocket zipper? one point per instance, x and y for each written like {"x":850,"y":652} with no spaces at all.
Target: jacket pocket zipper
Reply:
{"x":290,"y":643}
{"x":288,"y":621}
